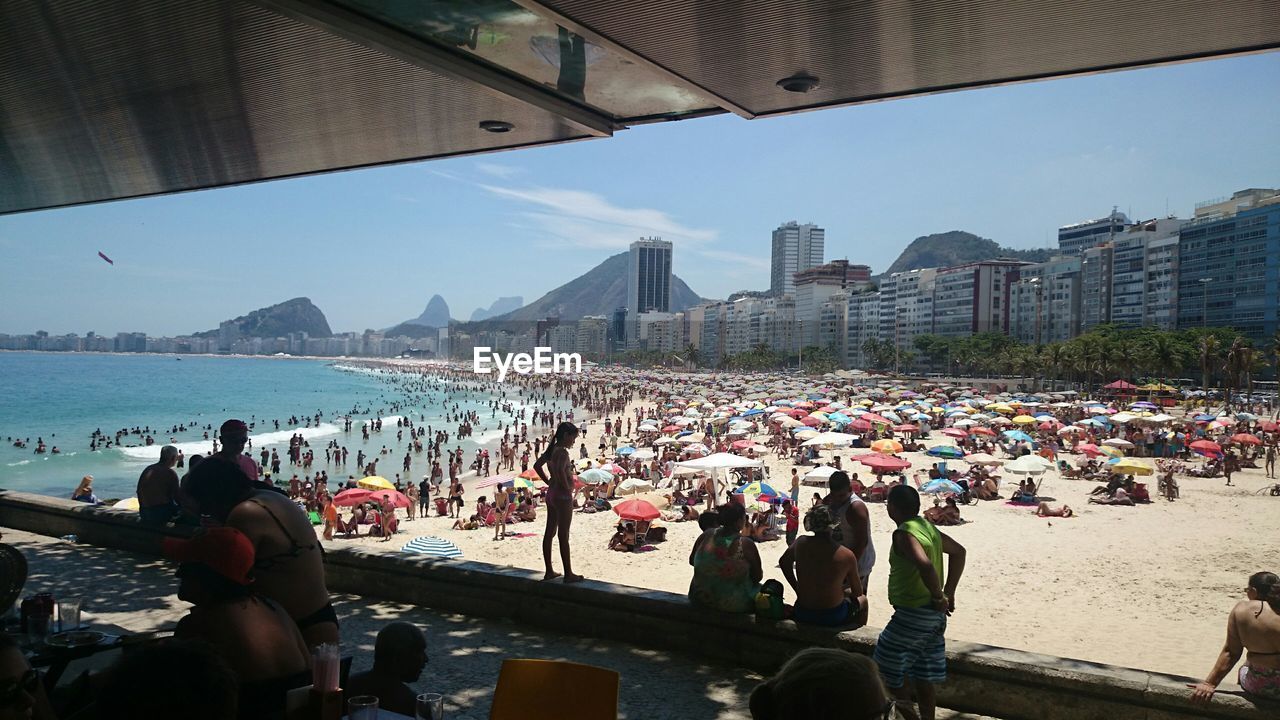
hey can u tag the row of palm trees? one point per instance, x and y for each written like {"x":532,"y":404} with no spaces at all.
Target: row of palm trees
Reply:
{"x":1103,"y":354}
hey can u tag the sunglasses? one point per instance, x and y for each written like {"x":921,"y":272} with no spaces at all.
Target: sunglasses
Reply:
{"x":28,"y":683}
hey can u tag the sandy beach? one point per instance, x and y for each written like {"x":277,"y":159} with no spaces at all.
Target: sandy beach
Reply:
{"x":1147,"y":586}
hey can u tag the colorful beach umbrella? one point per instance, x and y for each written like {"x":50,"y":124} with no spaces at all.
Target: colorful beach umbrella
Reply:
{"x":945,"y":451}
{"x":886,"y":446}
{"x":432,"y":546}
{"x":375,"y":482}
{"x":941,"y":485}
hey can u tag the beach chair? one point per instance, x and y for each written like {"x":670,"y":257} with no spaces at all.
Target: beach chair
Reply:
{"x":554,"y":690}
{"x":1140,"y":493}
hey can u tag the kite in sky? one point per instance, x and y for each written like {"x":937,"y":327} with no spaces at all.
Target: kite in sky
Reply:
{"x":104,"y":257}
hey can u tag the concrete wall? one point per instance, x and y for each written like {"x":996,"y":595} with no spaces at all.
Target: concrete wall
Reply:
{"x":984,"y":679}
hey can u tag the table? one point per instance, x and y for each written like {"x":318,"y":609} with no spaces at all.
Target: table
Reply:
{"x":57,"y":659}
{"x":387,"y":715}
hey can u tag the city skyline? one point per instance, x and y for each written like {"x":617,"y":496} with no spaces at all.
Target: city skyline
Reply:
{"x":370,"y":247}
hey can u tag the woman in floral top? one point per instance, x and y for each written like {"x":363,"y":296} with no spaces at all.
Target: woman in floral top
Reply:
{"x":726,"y":566}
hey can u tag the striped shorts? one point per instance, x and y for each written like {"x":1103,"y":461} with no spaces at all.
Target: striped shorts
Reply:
{"x":912,"y":645}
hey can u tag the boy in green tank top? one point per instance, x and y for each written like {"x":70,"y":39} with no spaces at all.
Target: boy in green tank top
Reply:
{"x":912,"y":644}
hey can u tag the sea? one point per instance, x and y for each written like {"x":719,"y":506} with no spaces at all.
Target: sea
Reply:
{"x":63,"y":397}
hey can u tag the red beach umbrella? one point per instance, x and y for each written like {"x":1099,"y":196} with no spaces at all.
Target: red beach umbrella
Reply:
{"x":906,"y":428}
{"x":811,"y":421}
{"x":983,"y":431}
{"x":955,"y":433}
{"x":1246,"y":439}
{"x":352,"y":497}
{"x":636,"y":509}
{"x":885,"y":463}
{"x":1269,"y":426}
{"x":1206,"y":447}
{"x":392,"y":498}
{"x":1089,"y":449}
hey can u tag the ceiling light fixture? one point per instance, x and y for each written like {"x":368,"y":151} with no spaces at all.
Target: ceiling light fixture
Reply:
{"x":496,"y":126}
{"x":800,"y":83}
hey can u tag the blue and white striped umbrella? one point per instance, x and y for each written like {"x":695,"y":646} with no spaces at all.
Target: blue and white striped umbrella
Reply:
{"x":433,"y":546}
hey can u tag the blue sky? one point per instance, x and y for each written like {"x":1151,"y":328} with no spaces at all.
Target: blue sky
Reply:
{"x":370,"y":247}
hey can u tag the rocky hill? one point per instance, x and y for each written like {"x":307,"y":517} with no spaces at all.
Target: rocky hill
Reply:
{"x":296,"y":315}
{"x":599,"y":291}
{"x":957,"y":248}
{"x":501,"y":306}
{"x":436,"y":315}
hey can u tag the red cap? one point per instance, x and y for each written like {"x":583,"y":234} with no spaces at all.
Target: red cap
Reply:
{"x":225,"y":550}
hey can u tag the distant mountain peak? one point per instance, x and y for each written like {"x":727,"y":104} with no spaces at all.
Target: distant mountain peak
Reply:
{"x":599,"y":291}
{"x":279,"y":320}
{"x":435,"y":315}
{"x":957,"y":247}
{"x":501,"y":306}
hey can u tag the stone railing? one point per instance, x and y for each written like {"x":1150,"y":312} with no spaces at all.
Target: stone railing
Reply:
{"x":983,"y":679}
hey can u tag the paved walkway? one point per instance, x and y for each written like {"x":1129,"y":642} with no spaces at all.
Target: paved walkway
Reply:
{"x":136,"y":593}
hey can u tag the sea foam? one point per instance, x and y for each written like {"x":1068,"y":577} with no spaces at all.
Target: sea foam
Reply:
{"x":151,"y":453}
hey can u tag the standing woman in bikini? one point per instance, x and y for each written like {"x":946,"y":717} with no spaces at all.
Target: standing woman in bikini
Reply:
{"x":559,"y":497}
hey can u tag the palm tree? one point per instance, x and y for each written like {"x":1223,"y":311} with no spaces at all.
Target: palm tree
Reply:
{"x":1236,"y":363}
{"x":1164,"y":356}
{"x":1055,"y":356}
{"x":1275,"y":355}
{"x":691,"y":356}
{"x":1207,"y":348}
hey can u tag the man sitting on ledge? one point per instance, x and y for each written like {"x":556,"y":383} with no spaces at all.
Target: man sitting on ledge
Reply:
{"x":825,"y":568}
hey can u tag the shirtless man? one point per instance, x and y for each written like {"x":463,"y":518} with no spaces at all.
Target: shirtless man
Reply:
{"x":850,"y":513}
{"x":288,"y":567}
{"x":157,"y":489}
{"x":828,"y":590}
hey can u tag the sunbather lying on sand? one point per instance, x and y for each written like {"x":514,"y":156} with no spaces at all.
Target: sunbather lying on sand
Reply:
{"x":1120,"y":498}
{"x":1047,"y":510}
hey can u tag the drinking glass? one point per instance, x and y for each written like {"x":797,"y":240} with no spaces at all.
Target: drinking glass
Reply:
{"x":362,"y":707}
{"x":69,"y":613}
{"x":430,"y":706}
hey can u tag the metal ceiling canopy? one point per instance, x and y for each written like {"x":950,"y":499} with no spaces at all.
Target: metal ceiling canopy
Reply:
{"x":867,"y":50}
{"x":102,"y":100}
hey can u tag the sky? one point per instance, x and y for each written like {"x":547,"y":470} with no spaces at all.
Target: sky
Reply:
{"x":370,"y":247}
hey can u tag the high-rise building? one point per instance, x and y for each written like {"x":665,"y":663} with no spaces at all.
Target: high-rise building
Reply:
{"x":796,"y":247}
{"x":1229,"y":266}
{"x":1045,"y":301}
{"x":1072,"y":239}
{"x":1143,"y":257}
{"x":1095,"y":285}
{"x":863,"y":325}
{"x":973,"y":298}
{"x":649,"y":276}
{"x":906,"y":309}
{"x":592,"y":336}
{"x":814,"y":285}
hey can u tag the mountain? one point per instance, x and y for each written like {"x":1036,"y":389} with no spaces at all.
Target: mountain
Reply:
{"x":435,"y":315}
{"x":296,"y":315}
{"x":599,"y":291}
{"x":501,"y":306}
{"x":957,"y":248}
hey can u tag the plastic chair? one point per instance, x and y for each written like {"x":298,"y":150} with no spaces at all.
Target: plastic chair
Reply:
{"x":554,"y":690}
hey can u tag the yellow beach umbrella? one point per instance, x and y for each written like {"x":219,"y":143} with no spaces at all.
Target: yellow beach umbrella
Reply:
{"x":1130,"y":466}
{"x":1024,"y":420}
{"x":375,"y":482}
{"x":1110,"y":451}
{"x":127,"y":504}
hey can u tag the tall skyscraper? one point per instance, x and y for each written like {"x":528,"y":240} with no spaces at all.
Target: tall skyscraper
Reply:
{"x":649,"y":276}
{"x":795,"y":247}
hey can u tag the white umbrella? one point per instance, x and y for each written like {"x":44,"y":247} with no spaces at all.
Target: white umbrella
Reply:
{"x":818,"y":476}
{"x":634,"y":485}
{"x":643,"y":454}
{"x":830,"y":438}
{"x":982,"y":459}
{"x":1117,"y":442}
{"x":1028,"y":465}
{"x":721,"y":461}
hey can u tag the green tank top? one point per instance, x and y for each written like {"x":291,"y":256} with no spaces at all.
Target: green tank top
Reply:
{"x":906,"y":589}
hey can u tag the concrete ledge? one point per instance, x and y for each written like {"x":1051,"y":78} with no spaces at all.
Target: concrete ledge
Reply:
{"x":984,"y":679}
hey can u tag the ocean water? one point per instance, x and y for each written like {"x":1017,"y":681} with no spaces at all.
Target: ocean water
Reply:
{"x":64,"y":397}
